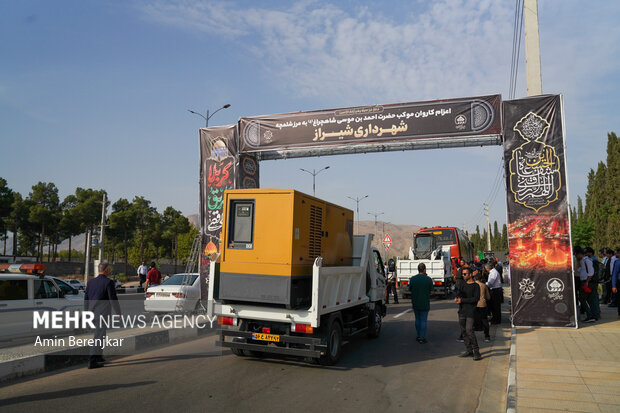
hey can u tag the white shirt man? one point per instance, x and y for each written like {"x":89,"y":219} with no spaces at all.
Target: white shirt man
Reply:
{"x":586,"y":269}
{"x":143,"y":270}
{"x":494,"y":280}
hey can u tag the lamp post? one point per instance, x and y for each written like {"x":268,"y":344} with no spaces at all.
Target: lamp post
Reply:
{"x":314,"y":173}
{"x":207,"y":117}
{"x":376,"y":214}
{"x":357,"y":209}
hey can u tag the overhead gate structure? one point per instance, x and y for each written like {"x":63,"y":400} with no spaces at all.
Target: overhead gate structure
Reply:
{"x":531,"y":131}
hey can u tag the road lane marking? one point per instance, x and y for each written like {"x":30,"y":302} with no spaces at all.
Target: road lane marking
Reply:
{"x":403,"y":313}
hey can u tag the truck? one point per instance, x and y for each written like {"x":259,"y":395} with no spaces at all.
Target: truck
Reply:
{"x":269,"y":300}
{"x":436,"y":259}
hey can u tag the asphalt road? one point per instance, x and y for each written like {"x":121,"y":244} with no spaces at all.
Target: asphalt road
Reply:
{"x":131,"y":304}
{"x":390,"y":374}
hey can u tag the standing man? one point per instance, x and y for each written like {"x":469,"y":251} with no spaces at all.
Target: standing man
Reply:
{"x":586,"y":271}
{"x":421,"y":287}
{"x":391,"y":286}
{"x":481,"y":307}
{"x":100,"y":297}
{"x":605,"y":254}
{"x":495,"y":286}
{"x":593,"y":282}
{"x":467,"y":300}
{"x":142,"y":271}
{"x":153,"y":277}
{"x":615,"y":280}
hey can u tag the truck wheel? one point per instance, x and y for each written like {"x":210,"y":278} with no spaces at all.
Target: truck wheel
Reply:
{"x":334,"y":344}
{"x":239,"y":352}
{"x":374,"y":323}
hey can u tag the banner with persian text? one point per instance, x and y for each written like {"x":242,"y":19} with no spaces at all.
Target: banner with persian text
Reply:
{"x":218,"y":170}
{"x":476,"y":116}
{"x":542,"y":285}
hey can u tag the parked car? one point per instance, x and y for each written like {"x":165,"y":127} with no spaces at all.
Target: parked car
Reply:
{"x":76,"y":284}
{"x":22,"y":292}
{"x":173,"y":296}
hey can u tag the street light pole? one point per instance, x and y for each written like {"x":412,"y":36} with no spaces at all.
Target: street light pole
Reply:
{"x":376,"y":214}
{"x":207,"y":117}
{"x":314,"y":173}
{"x":357,"y":209}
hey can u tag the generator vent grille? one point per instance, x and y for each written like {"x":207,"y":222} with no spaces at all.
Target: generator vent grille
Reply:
{"x":316,"y":231}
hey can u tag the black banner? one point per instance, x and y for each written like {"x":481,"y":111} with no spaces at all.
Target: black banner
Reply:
{"x":403,"y":121}
{"x":218,"y":170}
{"x":247,"y":175}
{"x":542,"y":284}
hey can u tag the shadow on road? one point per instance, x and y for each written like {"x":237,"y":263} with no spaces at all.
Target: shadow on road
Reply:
{"x":150,"y":360}
{"x":397,"y":346}
{"x":76,"y":391}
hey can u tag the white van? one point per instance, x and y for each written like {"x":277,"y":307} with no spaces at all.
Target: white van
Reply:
{"x":22,"y":294}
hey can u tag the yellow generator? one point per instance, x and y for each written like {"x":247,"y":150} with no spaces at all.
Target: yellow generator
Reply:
{"x":270,"y":239}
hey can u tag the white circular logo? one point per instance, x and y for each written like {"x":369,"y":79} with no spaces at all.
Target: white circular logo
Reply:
{"x":555,"y":285}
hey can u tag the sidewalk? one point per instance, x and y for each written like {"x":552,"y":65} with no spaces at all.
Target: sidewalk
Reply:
{"x":576,"y":370}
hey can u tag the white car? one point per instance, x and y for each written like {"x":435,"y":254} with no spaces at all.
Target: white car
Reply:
{"x":22,"y":294}
{"x":76,"y":284}
{"x":173,"y":296}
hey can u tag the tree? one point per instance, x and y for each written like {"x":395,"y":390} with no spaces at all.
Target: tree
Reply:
{"x":496,"y":239}
{"x":44,"y":210}
{"x":6,"y":202}
{"x":599,"y":221}
{"x":504,"y":238}
{"x":122,"y":222}
{"x":174,"y":223}
{"x":18,"y":221}
{"x":88,"y":210}
{"x":70,"y":224}
{"x":582,"y":232}
{"x":145,"y":217}
{"x":185,"y":243}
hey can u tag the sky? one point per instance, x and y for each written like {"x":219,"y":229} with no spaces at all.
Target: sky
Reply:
{"x":96,"y":94}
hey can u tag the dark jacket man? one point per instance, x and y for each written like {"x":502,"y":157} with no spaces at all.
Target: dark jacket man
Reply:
{"x":100,"y":297}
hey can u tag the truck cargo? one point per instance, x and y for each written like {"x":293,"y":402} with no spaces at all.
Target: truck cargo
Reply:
{"x":272,"y":238}
{"x":435,"y":258}
{"x":345,"y":287}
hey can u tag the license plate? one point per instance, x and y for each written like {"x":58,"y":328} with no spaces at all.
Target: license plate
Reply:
{"x":163,"y":294}
{"x":265,"y":337}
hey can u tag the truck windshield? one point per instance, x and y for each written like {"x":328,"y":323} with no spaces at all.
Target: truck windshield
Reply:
{"x":442,"y":236}
{"x":422,"y":244}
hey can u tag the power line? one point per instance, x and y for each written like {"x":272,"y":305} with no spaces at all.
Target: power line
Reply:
{"x":516,"y":48}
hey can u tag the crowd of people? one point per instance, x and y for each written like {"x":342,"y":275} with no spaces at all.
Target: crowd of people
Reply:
{"x":478,"y":292}
{"x":596,"y":281}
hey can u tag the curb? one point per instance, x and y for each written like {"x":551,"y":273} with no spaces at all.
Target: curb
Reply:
{"x":60,"y":359}
{"x":511,"y":391}
{"x":128,"y":290}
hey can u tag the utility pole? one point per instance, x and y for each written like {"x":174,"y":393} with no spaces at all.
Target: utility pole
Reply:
{"x":532,"y":48}
{"x":87,"y":258}
{"x":357,"y":209}
{"x":376,"y":214}
{"x":101,"y":229}
{"x":486,"y":211}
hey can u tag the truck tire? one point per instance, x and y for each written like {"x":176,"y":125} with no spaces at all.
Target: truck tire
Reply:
{"x":238,"y":351}
{"x":374,"y":323}
{"x":334,"y":344}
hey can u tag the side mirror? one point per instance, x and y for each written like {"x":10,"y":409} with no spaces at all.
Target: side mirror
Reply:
{"x":75,"y":291}
{"x":61,"y":294}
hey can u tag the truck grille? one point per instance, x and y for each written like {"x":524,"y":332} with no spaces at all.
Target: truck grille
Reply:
{"x":316,"y":228}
